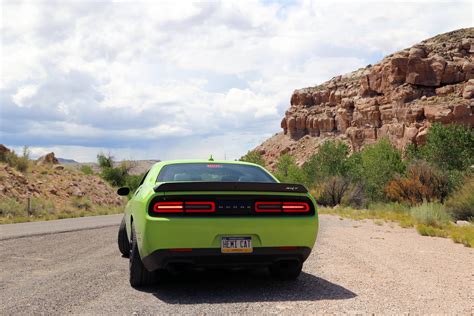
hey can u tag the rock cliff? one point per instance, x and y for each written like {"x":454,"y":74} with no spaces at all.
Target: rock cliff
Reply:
{"x":398,"y":98}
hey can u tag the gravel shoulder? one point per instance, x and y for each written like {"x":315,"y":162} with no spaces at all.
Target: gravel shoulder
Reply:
{"x":355,"y":267}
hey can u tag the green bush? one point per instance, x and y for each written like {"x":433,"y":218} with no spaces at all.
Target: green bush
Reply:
{"x":253,"y":156}
{"x":461,"y":203}
{"x":288,"y":171}
{"x":105,"y":161}
{"x":375,"y":166}
{"x":133,"y":181}
{"x":430,"y":214}
{"x":449,"y":147}
{"x":86,"y":169}
{"x":115,"y":176}
{"x":330,"y":160}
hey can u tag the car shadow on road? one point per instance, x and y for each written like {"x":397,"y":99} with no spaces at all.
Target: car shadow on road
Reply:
{"x":215,"y":287}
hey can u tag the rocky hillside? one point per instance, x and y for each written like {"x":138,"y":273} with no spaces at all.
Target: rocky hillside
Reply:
{"x":50,"y":181}
{"x":398,"y":98}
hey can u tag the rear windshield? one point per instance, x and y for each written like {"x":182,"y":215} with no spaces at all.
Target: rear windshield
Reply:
{"x":213,"y":172}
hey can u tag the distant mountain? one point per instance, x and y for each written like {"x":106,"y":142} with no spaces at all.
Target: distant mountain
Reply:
{"x":138,"y":166}
{"x":66,"y":161}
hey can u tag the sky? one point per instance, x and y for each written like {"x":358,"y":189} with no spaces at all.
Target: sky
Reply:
{"x":180,"y":79}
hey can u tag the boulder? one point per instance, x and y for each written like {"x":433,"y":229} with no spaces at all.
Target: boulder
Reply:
{"x":48,"y":159}
{"x":468,"y":91}
{"x":4,"y":149}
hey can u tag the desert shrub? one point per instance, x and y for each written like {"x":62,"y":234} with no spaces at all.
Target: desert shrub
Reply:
{"x":330,"y":160}
{"x":253,"y":156}
{"x":422,"y":182}
{"x":105,"y":161}
{"x":332,"y":191}
{"x":115,"y":176}
{"x":20,"y":163}
{"x":430,"y":214}
{"x":449,"y":147}
{"x":85,"y":169}
{"x":41,"y":207}
{"x":355,"y":196}
{"x":11,"y":207}
{"x":375,"y":166}
{"x":288,"y":171}
{"x":81,"y":203}
{"x":133,"y":181}
{"x":461,"y":203}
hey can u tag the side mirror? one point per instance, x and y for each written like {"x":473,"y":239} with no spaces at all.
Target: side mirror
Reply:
{"x":123,"y":191}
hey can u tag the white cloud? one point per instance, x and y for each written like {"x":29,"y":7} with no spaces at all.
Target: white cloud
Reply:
{"x":185,"y":78}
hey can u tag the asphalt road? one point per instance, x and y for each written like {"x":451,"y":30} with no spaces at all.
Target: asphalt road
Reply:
{"x":355,"y":267}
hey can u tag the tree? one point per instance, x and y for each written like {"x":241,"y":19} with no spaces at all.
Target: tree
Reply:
{"x":253,"y":156}
{"x":379,"y":163}
{"x":330,"y":160}
{"x":449,"y":147}
{"x":288,"y":171}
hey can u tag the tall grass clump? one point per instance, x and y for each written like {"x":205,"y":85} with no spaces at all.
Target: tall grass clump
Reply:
{"x":461,"y":203}
{"x":10,"y":207}
{"x":430,"y":214}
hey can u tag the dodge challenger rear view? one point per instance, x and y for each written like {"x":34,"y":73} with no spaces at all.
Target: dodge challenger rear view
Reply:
{"x":216,"y":214}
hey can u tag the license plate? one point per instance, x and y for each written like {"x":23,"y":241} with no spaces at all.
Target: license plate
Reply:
{"x":236,"y":245}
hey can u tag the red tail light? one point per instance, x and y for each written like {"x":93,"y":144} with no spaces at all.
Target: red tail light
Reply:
{"x":267,"y":207}
{"x":188,"y":207}
{"x":168,"y":207}
{"x":200,"y":207}
{"x":277,"y":207}
{"x":295,"y":207}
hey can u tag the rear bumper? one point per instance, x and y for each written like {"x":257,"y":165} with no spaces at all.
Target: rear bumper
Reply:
{"x":206,"y":233}
{"x":212,"y":257}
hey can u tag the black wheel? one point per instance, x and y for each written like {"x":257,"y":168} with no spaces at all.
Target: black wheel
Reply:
{"x":139,"y":275}
{"x":286,"y":270}
{"x":123,"y":241}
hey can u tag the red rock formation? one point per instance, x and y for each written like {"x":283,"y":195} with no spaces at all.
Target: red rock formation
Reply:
{"x":398,"y":98}
{"x":48,"y":159}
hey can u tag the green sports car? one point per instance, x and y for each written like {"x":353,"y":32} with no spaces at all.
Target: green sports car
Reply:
{"x":204,"y":214}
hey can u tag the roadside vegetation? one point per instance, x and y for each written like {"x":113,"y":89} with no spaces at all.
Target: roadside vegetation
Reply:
{"x":32,"y":192}
{"x":19,"y":162}
{"x":118,"y":176}
{"x":14,"y":211}
{"x":429,"y":187}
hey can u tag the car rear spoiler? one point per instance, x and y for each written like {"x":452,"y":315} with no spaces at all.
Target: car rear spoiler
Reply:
{"x":230,"y":186}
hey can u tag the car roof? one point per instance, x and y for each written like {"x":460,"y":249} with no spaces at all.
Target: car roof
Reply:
{"x":181,"y":161}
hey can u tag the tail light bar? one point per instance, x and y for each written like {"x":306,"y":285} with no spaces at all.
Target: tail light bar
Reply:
{"x":168,"y":207}
{"x":268,"y":207}
{"x":184,"y":207}
{"x":200,"y":207}
{"x":278,"y":207}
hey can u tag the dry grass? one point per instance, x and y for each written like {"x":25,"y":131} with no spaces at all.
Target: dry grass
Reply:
{"x":429,"y":222}
{"x":11,"y":211}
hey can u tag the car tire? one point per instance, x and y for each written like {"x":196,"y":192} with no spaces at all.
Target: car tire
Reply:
{"x":139,"y":275}
{"x":123,"y":241}
{"x":286,"y":270}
